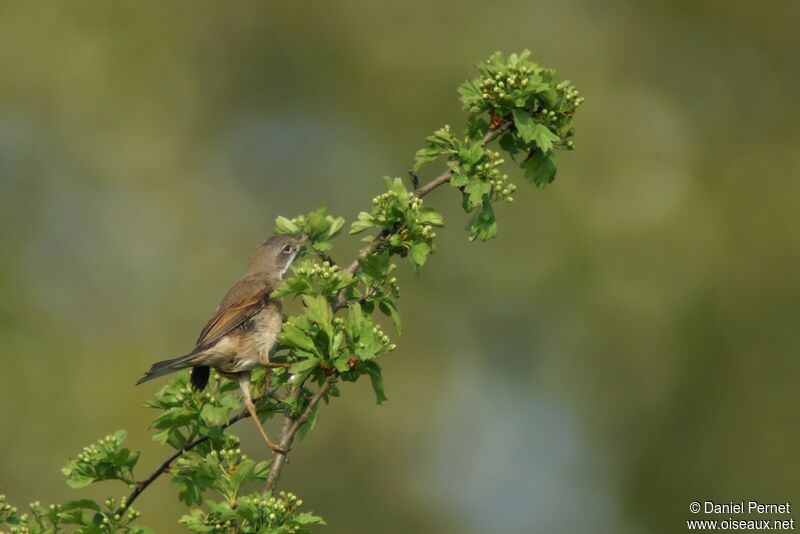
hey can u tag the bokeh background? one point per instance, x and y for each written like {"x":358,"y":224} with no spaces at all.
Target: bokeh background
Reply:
{"x":629,"y":343}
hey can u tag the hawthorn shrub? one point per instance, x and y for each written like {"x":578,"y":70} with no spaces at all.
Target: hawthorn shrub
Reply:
{"x":336,"y":339}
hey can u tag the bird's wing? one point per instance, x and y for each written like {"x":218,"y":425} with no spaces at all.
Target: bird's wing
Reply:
{"x":241,"y":302}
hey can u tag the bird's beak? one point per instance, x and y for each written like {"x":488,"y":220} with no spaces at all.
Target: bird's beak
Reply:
{"x":302,"y":239}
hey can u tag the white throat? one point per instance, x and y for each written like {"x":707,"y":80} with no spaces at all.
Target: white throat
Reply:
{"x":288,"y":264}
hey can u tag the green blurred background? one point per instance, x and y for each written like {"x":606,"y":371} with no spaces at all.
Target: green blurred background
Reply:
{"x":629,"y":343}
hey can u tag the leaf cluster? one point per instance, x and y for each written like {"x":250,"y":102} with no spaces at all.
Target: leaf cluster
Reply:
{"x":254,"y":513}
{"x":321,"y":343}
{"x":404,"y":220}
{"x":224,"y":470}
{"x":317,"y":225}
{"x":83,"y":516}
{"x":536,"y":113}
{"x":102,"y":460}
{"x":186,"y":414}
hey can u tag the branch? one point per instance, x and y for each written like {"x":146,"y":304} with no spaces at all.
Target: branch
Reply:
{"x":186,"y":447}
{"x":291,"y":425}
{"x":420,"y":192}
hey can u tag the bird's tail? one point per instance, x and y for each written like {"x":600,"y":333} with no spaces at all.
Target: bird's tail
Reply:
{"x":166,"y":367}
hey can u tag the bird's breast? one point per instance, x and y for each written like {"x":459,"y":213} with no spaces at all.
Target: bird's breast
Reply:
{"x":257,"y":337}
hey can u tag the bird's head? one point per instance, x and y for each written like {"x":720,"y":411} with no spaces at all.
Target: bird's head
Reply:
{"x":275,"y":255}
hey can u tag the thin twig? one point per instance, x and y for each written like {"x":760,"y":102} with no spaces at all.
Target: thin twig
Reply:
{"x":414,"y":179}
{"x":165,"y":465}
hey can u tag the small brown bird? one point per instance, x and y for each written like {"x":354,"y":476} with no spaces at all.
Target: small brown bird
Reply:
{"x":241,"y":334}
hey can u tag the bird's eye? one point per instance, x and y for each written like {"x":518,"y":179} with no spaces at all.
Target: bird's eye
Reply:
{"x":287,"y":249}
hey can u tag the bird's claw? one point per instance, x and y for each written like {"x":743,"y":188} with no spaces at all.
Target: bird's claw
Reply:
{"x":277,"y":449}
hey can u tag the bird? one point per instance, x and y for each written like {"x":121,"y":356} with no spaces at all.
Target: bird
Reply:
{"x":241,"y":333}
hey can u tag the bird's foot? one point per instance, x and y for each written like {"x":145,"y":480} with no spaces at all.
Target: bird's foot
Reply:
{"x":277,"y":449}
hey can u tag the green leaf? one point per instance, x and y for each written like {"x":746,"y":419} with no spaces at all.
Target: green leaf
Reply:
{"x":540,"y":168}
{"x":459,"y":179}
{"x":375,"y":265}
{"x":318,"y":309}
{"x":365,"y":221}
{"x":336,"y":225}
{"x":319,"y":222}
{"x":243,"y":473}
{"x":310,"y":423}
{"x":472,"y":155}
{"x":525,"y":124}
{"x":476,"y":190}
{"x":345,"y":280}
{"x":304,"y":365}
{"x":79,"y":504}
{"x":419,"y":254}
{"x":443,"y":140}
{"x":425,"y":156}
{"x":307,"y":518}
{"x":389,"y":308}
{"x":543,"y":137}
{"x":292,"y":336}
{"x":76,"y":481}
{"x":476,"y":127}
{"x":336,"y":343}
{"x":509,"y":144}
{"x":483,"y":225}
{"x":396,"y":185}
{"x":285,"y":226}
{"x":291,"y":286}
{"x":470,"y":94}
{"x":376,"y":377}
{"x":214,"y":415}
{"x":341,"y":363}
{"x":430,"y":216}
{"x":354,"y":321}
{"x":532,"y":131}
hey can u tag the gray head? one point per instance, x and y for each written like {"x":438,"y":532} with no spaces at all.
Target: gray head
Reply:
{"x":274,"y":256}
